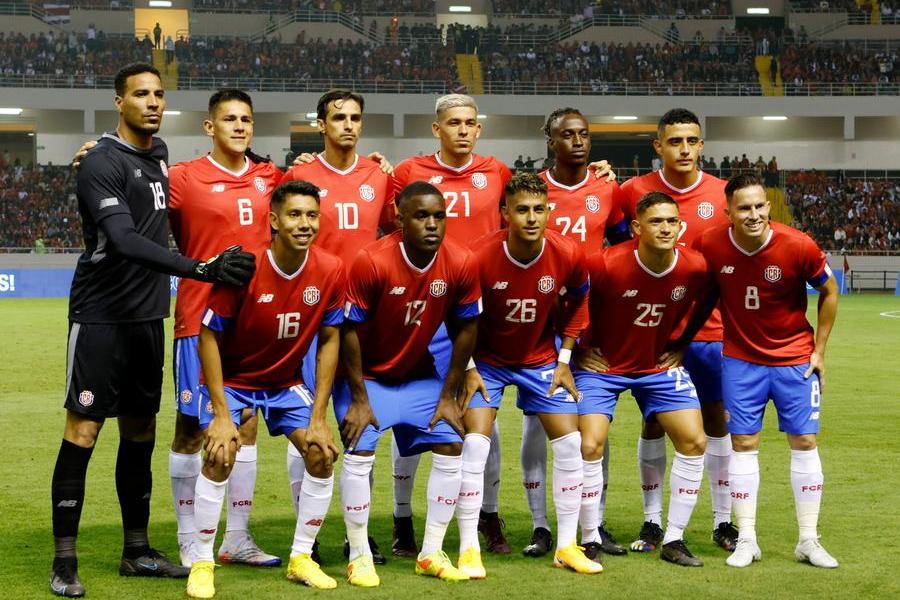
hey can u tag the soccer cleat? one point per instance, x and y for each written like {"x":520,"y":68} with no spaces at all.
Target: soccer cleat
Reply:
{"x":745,"y":552}
{"x":593,"y":550}
{"x":377,"y":557}
{"x":437,"y":564}
{"x":572,"y":557}
{"x":361,"y":572}
{"x":725,"y":535}
{"x":677,"y":553}
{"x":541,"y":541}
{"x":315,"y":553}
{"x":64,"y":579}
{"x":152,"y":564}
{"x":491,"y":527}
{"x":246,"y":553}
{"x":404,"y":538}
{"x":608,"y":543}
{"x":470,"y":563}
{"x":649,"y":538}
{"x":811,"y":550}
{"x":303,"y":569}
{"x":201,"y":582}
{"x":186,"y":553}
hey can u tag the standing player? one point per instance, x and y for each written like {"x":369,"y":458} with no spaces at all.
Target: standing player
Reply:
{"x":771,"y":351}
{"x":587,"y":210}
{"x":701,"y":204}
{"x":251,"y":343}
{"x":640,"y":293}
{"x":401,"y":289}
{"x":525,"y":274}
{"x":119,"y":298}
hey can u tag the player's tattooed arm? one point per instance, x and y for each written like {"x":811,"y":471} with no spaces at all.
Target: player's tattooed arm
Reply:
{"x":318,"y":433}
{"x":464,"y":333}
{"x":222,"y":438}
{"x":562,"y":374}
{"x":591,"y":359}
{"x":360,"y":414}
{"x":827,"y":313}
{"x":85,"y":147}
{"x":383,"y":163}
{"x":602,"y":169}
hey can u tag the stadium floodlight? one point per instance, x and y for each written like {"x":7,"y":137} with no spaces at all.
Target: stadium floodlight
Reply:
{"x":312,"y":115}
{"x":160,"y":4}
{"x":758,"y":10}
{"x":172,"y":113}
{"x":625,"y":118}
{"x":460,"y":9}
{"x":11,"y":111}
{"x":775,"y":118}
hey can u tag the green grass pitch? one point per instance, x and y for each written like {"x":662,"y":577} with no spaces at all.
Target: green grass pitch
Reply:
{"x":860,"y":446}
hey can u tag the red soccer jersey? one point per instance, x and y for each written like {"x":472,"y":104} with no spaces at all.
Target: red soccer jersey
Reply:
{"x":583,"y":211}
{"x":763,"y":293}
{"x":399,"y":307}
{"x":701,"y":207}
{"x":270,"y":323}
{"x":634,"y":311}
{"x":518,"y":328}
{"x":211,"y":208}
{"x":354,"y":203}
{"x":472,"y":192}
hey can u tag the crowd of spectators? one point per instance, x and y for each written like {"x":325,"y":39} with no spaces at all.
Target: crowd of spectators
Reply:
{"x":845,"y":214}
{"x":38,"y":208}
{"x":589,"y":8}
{"x":837,"y":63}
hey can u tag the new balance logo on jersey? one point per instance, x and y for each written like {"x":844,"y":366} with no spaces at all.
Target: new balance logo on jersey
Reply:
{"x":436,"y":179}
{"x":501,"y":285}
{"x":629,"y":294}
{"x":398,"y":290}
{"x":265,"y":298}
{"x":727,"y":269}
{"x":137,"y":174}
{"x":218,"y":187}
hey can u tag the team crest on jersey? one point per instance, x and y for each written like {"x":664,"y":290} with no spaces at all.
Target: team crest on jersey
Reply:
{"x":479,"y":180}
{"x":163,"y":168}
{"x":592,"y":203}
{"x":311,"y":295}
{"x":772,"y":273}
{"x":436,"y":179}
{"x":186,"y":396}
{"x":678,"y":292}
{"x":367,"y":192}
{"x":705,"y":210}
{"x":546,"y":284}
{"x":260,"y":184}
{"x":86,"y":398}
{"x":438,"y":288}
{"x":323,"y":193}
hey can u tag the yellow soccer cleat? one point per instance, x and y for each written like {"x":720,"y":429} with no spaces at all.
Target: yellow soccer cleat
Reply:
{"x":361,"y":572}
{"x":437,"y":564}
{"x":201,"y":581}
{"x":572,"y":557}
{"x":303,"y":569}
{"x":470,"y":563}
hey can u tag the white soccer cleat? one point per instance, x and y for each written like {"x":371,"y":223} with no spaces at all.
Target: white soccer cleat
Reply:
{"x":745,"y":552}
{"x":246,"y":553}
{"x":811,"y":550}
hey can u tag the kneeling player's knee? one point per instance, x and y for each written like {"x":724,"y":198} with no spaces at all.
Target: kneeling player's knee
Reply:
{"x":316,"y":464}
{"x":216,"y":469}
{"x":591,"y":448}
{"x":692,"y":446}
{"x":802,"y":442}
{"x":744,"y":443}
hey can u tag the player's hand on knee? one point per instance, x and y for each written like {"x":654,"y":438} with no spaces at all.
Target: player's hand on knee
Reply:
{"x":817,"y":366}
{"x":231,"y":267}
{"x":590,"y":359}
{"x":562,"y":377}
{"x":304,"y":159}
{"x":222,"y":442}
{"x":448,"y":410}
{"x":81,"y":153}
{"x":358,"y":417}
{"x":383,"y":163}
{"x":473,"y":384}
{"x":669,"y":359}
{"x":319,"y":439}
{"x":602,"y":169}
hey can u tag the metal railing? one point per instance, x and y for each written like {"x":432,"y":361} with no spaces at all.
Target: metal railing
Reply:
{"x":281,"y":8}
{"x":869,"y":280}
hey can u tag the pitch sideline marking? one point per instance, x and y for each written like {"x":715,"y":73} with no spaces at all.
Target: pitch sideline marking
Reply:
{"x":890,"y":314}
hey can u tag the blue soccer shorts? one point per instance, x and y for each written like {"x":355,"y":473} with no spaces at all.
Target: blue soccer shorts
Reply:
{"x":748,"y":388}
{"x":661,"y":392}
{"x":186,"y":368}
{"x":703,"y":360}
{"x":284,"y":410}
{"x":406,"y":408}
{"x":532,"y":386}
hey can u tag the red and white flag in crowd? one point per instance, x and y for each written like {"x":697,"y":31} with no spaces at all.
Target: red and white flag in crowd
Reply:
{"x":57,"y":13}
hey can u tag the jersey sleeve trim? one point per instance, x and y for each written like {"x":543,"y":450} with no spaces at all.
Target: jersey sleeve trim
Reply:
{"x":820,"y":279}
{"x":215,"y":322}
{"x":581,"y":290}
{"x":468,"y":310}
{"x":333,"y":317}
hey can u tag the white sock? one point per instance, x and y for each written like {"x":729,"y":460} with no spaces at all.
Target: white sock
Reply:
{"x":684,"y":487}
{"x":314,"y":500}
{"x":489,"y":503}
{"x":652,"y":463}
{"x":568,"y":481}
{"x":590,"y":501}
{"x":296,"y":466}
{"x":743,"y":473}
{"x":601,"y":510}
{"x":534,"y":469}
{"x":241,"y":483}
{"x":807,"y":481}
{"x":183,"y":472}
{"x":443,"y":493}
{"x":718,"y":453}
{"x":404,"y":478}
{"x":208,"y":498}
{"x":356,"y":496}
{"x":476,"y":448}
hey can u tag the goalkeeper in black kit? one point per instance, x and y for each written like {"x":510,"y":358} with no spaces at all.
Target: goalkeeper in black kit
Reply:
{"x":119,"y":298}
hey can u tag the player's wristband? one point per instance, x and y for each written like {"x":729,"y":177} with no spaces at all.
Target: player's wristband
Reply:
{"x":565,"y":355}
{"x":471,"y":364}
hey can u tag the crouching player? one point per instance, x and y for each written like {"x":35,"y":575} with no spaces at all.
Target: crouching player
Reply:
{"x":762,"y":270}
{"x":640,"y":293}
{"x":401,"y":289}
{"x":524,"y":270}
{"x":252,"y":342}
